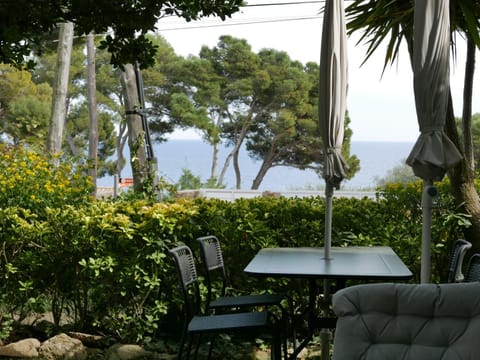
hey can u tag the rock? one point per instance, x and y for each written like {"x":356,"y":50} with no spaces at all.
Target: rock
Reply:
{"x":23,"y":348}
{"x":63,"y":347}
{"x":126,"y":352}
{"x":87,"y":339}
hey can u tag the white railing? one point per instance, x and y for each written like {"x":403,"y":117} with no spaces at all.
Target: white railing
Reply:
{"x":231,"y":195}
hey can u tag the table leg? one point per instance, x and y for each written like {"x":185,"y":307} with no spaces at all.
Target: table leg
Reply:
{"x":325,"y":322}
{"x":312,"y":290}
{"x":325,"y":332}
{"x":325,"y":337}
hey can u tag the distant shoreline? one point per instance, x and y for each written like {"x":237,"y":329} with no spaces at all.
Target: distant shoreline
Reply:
{"x":176,"y":155}
{"x":353,"y":141}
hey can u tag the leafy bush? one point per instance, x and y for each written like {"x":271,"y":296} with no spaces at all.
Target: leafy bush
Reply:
{"x":103,"y":264}
{"x":31,"y":180}
{"x":189,"y":181}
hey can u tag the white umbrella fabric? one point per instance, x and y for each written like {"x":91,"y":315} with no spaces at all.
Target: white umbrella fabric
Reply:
{"x":434,"y":152}
{"x":332,"y":104}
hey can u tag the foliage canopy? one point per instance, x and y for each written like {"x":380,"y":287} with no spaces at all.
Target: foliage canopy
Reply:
{"x":23,"y":24}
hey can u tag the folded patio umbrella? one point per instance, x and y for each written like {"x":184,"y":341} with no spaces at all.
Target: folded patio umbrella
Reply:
{"x":332,"y":103}
{"x":331,"y":116}
{"x":433,"y":152}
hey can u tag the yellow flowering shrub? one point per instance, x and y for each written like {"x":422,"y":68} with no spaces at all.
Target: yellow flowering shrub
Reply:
{"x":35,"y":181}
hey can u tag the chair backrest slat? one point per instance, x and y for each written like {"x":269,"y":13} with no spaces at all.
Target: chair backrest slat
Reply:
{"x":212,"y":253}
{"x":212,"y":258}
{"x":185,"y":264}
{"x":460,"y":248}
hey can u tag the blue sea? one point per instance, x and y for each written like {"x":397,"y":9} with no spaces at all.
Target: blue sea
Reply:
{"x":376,"y":159}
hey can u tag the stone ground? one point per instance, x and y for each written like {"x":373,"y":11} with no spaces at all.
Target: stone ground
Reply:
{"x":161,"y":351}
{"x":245,"y":348}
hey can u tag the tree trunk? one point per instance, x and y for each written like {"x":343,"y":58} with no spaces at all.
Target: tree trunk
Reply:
{"x":266,"y":165}
{"x":234,"y":155}
{"x":462,"y":176}
{"x":60,"y":89}
{"x":214,"y":140}
{"x":121,"y":141}
{"x":213,"y":172}
{"x":92,"y":111}
{"x":136,"y":136}
{"x":236,"y":168}
{"x":467,"y":105}
{"x":224,"y":168}
{"x":466,"y":196}
{"x":70,"y":142}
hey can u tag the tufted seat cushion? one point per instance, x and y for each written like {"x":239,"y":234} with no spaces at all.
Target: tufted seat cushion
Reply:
{"x":408,"y":322}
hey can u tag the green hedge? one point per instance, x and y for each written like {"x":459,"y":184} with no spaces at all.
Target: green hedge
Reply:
{"x":105,"y":263}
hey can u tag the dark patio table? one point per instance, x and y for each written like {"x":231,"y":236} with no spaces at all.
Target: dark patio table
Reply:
{"x":378,"y":263}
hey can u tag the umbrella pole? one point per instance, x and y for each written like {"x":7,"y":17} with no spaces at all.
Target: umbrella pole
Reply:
{"x":428,"y":194}
{"x":328,"y":219}
{"x":325,"y":334}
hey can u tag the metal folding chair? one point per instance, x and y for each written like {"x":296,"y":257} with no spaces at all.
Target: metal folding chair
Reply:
{"x":197,"y":324}
{"x":460,"y":247}
{"x":212,"y":259}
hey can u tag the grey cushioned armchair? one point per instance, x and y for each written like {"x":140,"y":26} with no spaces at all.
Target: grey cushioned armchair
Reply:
{"x":408,"y":322}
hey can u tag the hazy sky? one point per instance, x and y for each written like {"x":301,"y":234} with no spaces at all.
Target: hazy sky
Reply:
{"x":381,"y":108}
